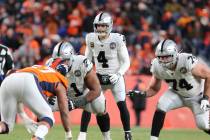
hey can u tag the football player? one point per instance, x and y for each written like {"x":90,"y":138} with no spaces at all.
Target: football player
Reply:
{"x":84,"y":90}
{"x":112,"y":61}
{"x":7,"y":67}
{"x":6,"y":62}
{"x":189,"y":86}
{"x":31,"y":86}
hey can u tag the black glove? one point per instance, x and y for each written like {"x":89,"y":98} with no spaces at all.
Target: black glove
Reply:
{"x":76,"y":103}
{"x":51,"y":100}
{"x":133,"y":93}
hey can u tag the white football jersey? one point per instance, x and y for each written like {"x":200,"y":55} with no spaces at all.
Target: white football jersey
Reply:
{"x":80,"y":67}
{"x":110,"y":55}
{"x":181,"y":81}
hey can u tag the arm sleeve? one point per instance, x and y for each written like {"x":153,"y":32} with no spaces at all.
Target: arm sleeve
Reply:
{"x":88,"y":52}
{"x":123,"y":57}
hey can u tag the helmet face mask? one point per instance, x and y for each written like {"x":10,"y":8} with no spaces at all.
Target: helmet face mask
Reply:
{"x":103,"y":24}
{"x":166,"y":53}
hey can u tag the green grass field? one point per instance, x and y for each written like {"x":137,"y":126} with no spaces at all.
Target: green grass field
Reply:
{"x":57,"y":133}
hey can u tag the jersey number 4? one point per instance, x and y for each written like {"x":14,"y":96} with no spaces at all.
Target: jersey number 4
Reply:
{"x":102,"y":59}
{"x":182,"y":84}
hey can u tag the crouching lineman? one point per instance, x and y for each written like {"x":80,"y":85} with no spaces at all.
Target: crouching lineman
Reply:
{"x":186,"y":77}
{"x":30,"y":86}
{"x":84,"y":89}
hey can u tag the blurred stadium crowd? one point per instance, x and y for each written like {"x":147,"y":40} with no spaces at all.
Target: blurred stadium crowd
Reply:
{"x":31,"y":28}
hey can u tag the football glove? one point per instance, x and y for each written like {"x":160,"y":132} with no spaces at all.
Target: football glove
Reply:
{"x":53,"y":103}
{"x":133,"y":93}
{"x":114,"y":78}
{"x":76,"y":103}
{"x":51,"y":100}
{"x":204,"y":103}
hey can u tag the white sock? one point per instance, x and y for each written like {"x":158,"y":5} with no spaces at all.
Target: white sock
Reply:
{"x":41,"y":131}
{"x":106,"y":135}
{"x":82,"y":135}
{"x":68,"y":134}
{"x":153,"y":138}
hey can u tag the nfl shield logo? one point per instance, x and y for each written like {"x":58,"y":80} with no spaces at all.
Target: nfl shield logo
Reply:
{"x":113,"y":45}
{"x":183,"y":70}
{"x":77,"y":73}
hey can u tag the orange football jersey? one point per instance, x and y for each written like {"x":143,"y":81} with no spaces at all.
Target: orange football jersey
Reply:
{"x":48,"y":78}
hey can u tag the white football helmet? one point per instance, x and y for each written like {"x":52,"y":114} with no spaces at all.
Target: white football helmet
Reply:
{"x":167,"y":53}
{"x":63,"y":50}
{"x":104,"y":19}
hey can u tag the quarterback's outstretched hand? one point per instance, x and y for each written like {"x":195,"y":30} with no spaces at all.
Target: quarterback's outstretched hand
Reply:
{"x":205,"y":103}
{"x":114,"y":78}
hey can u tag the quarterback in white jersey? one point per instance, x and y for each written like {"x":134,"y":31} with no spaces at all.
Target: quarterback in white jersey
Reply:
{"x":110,"y":55}
{"x":111,"y":59}
{"x":188,"y":81}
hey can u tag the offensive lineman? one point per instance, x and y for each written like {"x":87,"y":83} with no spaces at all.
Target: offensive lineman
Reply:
{"x":189,"y":86}
{"x":84,"y":88}
{"x":112,"y":61}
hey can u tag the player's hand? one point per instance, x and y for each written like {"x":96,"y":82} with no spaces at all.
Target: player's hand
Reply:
{"x":114,"y":78}
{"x":76,"y":102}
{"x":30,"y":125}
{"x":204,"y":104}
{"x":71,"y":104}
{"x":53,"y":103}
{"x":52,"y":100}
{"x":133,"y":93}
